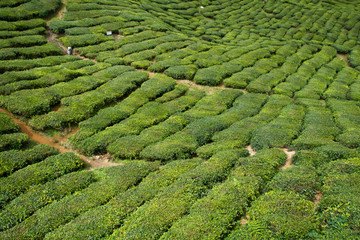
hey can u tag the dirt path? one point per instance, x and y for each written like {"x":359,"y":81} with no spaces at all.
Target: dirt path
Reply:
{"x":290,"y":155}
{"x":251,"y":151}
{"x":244,"y":220}
{"x":207,"y":89}
{"x":51,"y":37}
{"x":318,"y":196}
{"x":344,"y":57}
{"x":58,"y":141}
{"x":59,"y":14}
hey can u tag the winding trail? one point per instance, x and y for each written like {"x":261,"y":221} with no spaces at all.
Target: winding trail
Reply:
{"x":58,"y":142}
{"x":290,"y":155}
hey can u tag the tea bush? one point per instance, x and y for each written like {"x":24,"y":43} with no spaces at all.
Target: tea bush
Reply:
{"x":176,"y":199}
{"x":123,"y":204}
{"x":98,"y":193}
{"x":16,"y":159}
{"x":39,"y":196}
{"x":49,"y":169}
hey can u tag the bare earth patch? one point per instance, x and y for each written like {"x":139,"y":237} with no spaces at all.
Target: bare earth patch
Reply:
{"x":318,"y":196}
{"x":61,"y":143}
{"x":207,"y":89}
{"x":290,"y":155}
{"x":244,"y":220}
{"x":251,"y":151}
{"x":102,"y":161}
{"x":344,"y":57}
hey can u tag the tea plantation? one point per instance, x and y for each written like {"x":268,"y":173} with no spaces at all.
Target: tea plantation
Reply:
{"x":178,"y":95}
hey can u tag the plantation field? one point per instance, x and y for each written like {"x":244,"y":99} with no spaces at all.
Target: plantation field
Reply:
{"x":196,"y":119}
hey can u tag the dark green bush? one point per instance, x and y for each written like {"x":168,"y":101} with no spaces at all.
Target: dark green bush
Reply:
{"x":30,"y":9}
{"x":13,"y":141}
{"x":7,"y":124}
{"x":149,"y":90}
{"x":337,"y":151}
{"x":310,"y":158}
{"x":280,"y":131}
{"x":20,"y":65}
{"x":80,"y":107}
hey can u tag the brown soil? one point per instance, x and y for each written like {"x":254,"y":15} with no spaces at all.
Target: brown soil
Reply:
{"x":207,"y":89}
{"x":244,"y":220}
{"x":251,"y":151}
{"x":51,"y":37}
{"x":151,"y":74}
{"x":117,"y":36}
{"x":102,"y":161}
{"x":61,"y":144}
{"x":56,"y":108}
{"x":345,"y":58}
{"x":318,"y":196}
{"x":60,"y":12}
{"x":290,"y":155}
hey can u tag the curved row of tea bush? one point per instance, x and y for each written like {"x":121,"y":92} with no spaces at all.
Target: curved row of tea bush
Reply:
{"x":213,"y":216}
{"x":112,"y":181}
{"x":39,"y":196}
{"x":103,"y":220}
{"x":37,"y":101}
{"x":49,"y":169}
{"x":149,"y":90}
{"x":176,"y":199}
{"x":13,"y":160}
{"x":79,"y":107}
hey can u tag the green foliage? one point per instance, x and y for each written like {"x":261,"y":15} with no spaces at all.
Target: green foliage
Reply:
{"x":354,"y":57}
{"x":181,"y":72}
{"x":13,"y":141}
{"x":112,"y":181}
{"x":29,"y":9}
{"x":310,"y":158}
{"x":214,"y":104}
{"x":176,"y":199}
{"x":346,"y":115}
{"x":23,"y":41}
{"x":280,"y":131}
{"x":103,"y":220}
{"x":20,"y":65}
{"x":16,"y":159}
{"x":36,"y":101}
{"x":318,"y":129}
{"x":80,"y":107}
{"x":336,"y":151}
{"x":298,"y":179}
{"x":131,"y":146}
{"x":39,"y":196}
{"x":63,"y":75}
{"x":293,"y":218}
{"x":214,"y":75}
{"x":84,"y":40}
{"x":149,"y":90}
{"x":339,"y":207}
{"x":7,"y":124}
{"x":49,"y":169}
